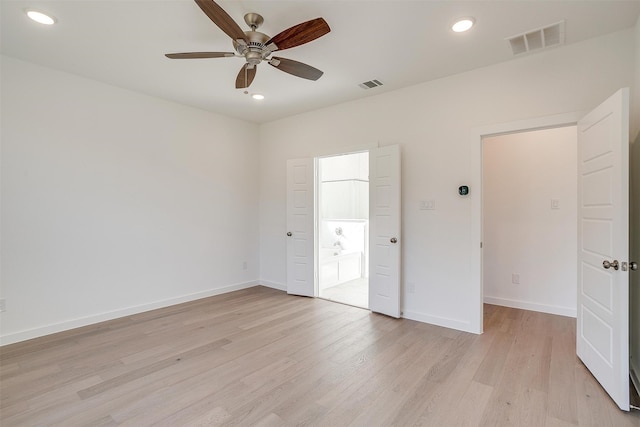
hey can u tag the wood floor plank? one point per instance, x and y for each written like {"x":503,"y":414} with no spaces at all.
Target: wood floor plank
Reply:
{"x":493,"y":364}
{"x":400,"y":382}
{"x":250,"y":362}
{"x":260,"y":357}
{"x":554,"y":422}
{"x":320,"y":378}
{"x":562,"y":401}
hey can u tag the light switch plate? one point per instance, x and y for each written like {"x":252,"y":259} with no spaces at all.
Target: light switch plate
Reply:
{"x":427,"y":205}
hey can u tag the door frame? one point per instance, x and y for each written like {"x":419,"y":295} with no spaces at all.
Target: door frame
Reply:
{"x":316,"y":201}
{"x":477,"y":134}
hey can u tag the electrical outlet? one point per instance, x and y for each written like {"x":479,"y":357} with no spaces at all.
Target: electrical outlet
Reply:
{"x":515,"y":279}
{"x":244,"y":265}
{"x":3,"y":305}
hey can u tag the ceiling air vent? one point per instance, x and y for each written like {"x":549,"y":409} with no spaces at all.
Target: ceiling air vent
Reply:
{"x":541,"y":38}
{"x":370,"y":84}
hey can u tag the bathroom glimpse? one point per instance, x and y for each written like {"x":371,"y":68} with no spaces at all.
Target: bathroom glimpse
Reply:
{"x":344,"y":228}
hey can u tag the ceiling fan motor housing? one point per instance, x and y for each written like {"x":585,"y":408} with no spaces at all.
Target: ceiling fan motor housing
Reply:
{"x":255,"y":50}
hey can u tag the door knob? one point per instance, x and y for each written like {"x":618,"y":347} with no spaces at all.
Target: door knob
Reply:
{"x":289,"y":233}
{"x":614,"y":264}
{"x":633,"y":265}
{"x":393,"y":240}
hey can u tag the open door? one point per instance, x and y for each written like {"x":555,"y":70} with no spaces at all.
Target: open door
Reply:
{"x":603,"y":245}
{"x":384,"y":241}
{"x":300,"y":234}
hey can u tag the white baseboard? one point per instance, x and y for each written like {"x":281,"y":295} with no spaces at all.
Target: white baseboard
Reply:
{"x":525,"y":305}
{"x":460,"y":325}
{"x":89,"y":320}
{"x":274,"y":285}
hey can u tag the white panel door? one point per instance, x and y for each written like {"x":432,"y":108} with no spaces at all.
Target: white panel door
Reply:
{"x":300,"y":235}
{"x":384,"y":220}
{"x":603,"y":245}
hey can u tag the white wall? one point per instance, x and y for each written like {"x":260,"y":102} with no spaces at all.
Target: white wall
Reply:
{"x":344,"y":188}
{"x":115,"y":202}
{"x":634,"y":217}
{"x":522,"y":234}
{"x":433,"y":122}
{"x":351,"y":166}
{"x":634,"y":122}
{"x":634,"y":255}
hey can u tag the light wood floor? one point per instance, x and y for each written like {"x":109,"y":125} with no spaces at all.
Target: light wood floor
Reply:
{"x":354,"y":292}
{"x":261,"y":357}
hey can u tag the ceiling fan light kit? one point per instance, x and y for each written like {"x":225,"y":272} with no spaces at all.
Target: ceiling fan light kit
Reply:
{"x":256,"y":47}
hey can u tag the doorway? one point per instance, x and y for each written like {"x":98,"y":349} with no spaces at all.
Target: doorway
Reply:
{"x":383,"y":253}
{"x":530,"y":220}
{"x":342,"y":242}
{"x":602,"y":329}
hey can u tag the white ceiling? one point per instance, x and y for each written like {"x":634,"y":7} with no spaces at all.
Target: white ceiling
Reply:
{"x":400,"y":43}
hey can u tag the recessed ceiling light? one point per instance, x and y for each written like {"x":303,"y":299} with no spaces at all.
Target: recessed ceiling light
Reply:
{"x":41,"y":17}
{"x":257,"y":96}
{"x":463,"y":24}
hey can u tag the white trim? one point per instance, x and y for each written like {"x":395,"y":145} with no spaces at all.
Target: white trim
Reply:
{"x":525,"y":305}
{"x":317,"y":188}
{"x":273,"y":285}
{"x":354,"y":149}
{"x":460,"y":325}
{"x":547,"y":122}
{"x":89,"y":320}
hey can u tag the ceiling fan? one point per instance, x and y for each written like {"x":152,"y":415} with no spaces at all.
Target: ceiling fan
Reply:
{"x":256,"y":47}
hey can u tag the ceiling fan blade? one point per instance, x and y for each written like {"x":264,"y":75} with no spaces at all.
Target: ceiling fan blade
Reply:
{"x":221,"y":19}
{"x":197,"y":55}
{"x":245,"y":76}
{"x":300,"y":34}
{"x":296,"y":68}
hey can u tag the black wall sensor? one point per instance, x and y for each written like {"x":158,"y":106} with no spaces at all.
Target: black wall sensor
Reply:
{"x":463,"y":190}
